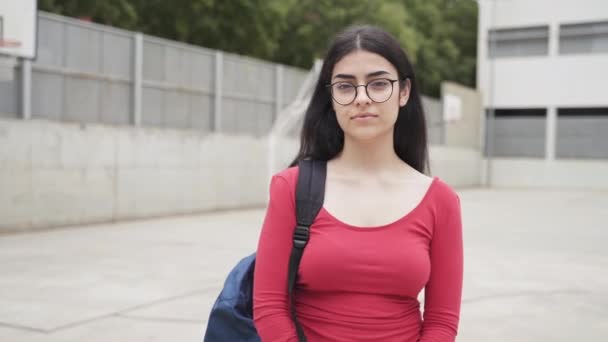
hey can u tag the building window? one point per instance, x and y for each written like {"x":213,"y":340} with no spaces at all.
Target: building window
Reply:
{"x":518,"y":42}
{"x":581,"y":133}
{"x":517,"y":132}
{"x":583,"y":38}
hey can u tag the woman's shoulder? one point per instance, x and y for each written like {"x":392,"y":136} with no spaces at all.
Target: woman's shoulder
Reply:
{"x":289,"y":175}
{"x":284,"y":181}
{"x":283,"y":185}
{"x":444,"y":194}
{"x":444,"y":188}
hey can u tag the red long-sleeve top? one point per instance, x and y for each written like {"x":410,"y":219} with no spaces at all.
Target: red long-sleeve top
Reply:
{"x":361,"y":283}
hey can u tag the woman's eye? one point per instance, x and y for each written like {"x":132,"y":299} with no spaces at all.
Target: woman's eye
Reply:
{"x":380,"y":84}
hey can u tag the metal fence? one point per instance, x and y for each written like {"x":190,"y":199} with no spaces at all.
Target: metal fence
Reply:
{"x":91,"y":73}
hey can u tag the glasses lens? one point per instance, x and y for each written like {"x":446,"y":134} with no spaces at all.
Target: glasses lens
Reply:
{"x":380,"y":90}
{"x":343,"y":92}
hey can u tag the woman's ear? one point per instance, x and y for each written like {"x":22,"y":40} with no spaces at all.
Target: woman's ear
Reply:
{"x":404,"y":94}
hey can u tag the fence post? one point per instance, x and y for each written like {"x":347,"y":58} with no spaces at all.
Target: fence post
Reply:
{"x":137,"y":78}
{"x":26,"y":89}
{"x":443,"y":126}
{"x":278,"y":103}
{"x":217,"y":110}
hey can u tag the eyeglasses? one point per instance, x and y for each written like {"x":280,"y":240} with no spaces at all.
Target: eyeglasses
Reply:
{"x":378,"y":90}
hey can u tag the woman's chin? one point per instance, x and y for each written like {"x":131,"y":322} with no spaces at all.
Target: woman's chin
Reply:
{"x":365,"y":134}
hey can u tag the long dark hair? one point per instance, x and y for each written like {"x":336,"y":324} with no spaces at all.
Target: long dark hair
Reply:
{"x":323,"y":139}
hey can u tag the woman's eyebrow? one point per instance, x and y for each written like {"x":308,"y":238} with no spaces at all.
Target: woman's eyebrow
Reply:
{"x":371,"y":74}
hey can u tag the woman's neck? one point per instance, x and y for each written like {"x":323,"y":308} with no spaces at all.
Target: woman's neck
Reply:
{"x":371,"y":157}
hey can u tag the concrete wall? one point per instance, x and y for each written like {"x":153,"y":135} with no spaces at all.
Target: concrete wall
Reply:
{"x":548,"y":174}
{"x":434,"y":120}
{"x":57,"y":174}
{"x":466,"y":131}
{"x":457,"y":166}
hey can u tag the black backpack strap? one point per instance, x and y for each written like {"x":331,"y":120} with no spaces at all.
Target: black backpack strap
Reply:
{"x":310,"y":192}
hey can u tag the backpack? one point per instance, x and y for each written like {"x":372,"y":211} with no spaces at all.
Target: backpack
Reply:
{"x":231,"y":318}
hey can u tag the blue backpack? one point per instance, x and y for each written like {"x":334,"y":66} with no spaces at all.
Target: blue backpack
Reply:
{"x":231,"y":318}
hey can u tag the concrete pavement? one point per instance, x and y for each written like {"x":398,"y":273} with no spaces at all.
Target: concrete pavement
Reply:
{"x":536,"y":269}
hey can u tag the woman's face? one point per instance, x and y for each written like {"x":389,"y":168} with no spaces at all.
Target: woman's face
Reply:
{"x":366,"y":118}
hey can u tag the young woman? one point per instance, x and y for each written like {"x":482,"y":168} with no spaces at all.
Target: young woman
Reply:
{"x":386,"y":230}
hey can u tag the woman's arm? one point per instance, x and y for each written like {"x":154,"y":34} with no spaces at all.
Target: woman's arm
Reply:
{"x":444,"y":290}
{"x":271,"y":308}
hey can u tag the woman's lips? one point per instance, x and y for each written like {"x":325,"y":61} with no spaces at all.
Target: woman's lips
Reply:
{"x":364,"y":116}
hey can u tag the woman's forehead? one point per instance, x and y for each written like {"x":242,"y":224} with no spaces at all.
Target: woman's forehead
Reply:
{"x":360,"y":63}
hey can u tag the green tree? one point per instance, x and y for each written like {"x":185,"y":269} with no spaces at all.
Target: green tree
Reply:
{"x":120,"y":13}
{"x":249,"y":27}
{"x":313,"y":23}
{"x":448,"y":47}
{"x":463,"y":17}
{"x":439,"y":36}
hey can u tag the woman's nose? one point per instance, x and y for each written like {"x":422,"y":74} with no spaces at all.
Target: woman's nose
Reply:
{"x":361,"y":96}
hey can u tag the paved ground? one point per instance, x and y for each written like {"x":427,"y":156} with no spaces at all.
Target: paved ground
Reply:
{"x":536,"y":269}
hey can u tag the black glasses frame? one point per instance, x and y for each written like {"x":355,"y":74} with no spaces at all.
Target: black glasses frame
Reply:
{"x":331,"y":90}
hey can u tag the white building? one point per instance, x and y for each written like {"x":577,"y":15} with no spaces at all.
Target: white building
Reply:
{"x":543,"y":71}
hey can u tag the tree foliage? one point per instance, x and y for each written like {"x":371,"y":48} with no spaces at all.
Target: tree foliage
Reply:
{"x":439,"y":36}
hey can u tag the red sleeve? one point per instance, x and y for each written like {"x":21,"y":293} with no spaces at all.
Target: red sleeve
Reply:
{"x":271,"y":310}
{"x":444,"y":288}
